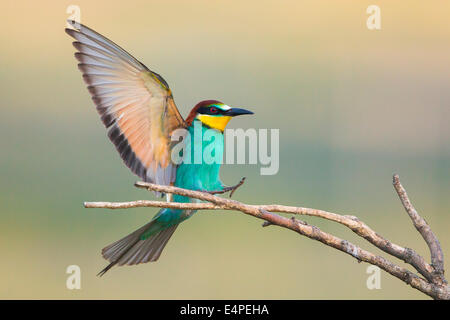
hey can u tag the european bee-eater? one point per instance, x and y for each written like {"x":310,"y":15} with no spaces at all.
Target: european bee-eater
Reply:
{"x":138,"y":109}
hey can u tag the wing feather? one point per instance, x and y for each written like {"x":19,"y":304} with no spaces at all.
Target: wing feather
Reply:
{"x":134,"y":103}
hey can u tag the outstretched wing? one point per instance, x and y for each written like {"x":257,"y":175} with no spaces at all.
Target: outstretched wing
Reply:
{"x":134,"y":103}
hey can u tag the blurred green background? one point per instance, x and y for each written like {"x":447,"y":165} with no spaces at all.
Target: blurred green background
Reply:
{"x":353,"y":106}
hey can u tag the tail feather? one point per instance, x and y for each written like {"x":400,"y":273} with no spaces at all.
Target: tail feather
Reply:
{"x":131,"y":250}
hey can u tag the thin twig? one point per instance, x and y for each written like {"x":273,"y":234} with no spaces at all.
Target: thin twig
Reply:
{"x":437,"y":256}
{"x":150,"y":203}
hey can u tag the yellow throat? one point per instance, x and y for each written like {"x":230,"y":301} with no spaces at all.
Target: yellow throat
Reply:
{"x":215,"y":122}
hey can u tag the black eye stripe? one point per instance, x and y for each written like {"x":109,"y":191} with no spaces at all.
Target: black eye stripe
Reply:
{"x":211,"y":110}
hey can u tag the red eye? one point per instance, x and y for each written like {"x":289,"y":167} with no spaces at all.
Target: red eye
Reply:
{"x":213,"y":110}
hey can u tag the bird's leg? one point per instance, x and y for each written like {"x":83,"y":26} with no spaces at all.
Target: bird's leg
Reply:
{"x":226,"y":189}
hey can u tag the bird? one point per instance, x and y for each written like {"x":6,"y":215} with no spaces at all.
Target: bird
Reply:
{"x":138,"y":110}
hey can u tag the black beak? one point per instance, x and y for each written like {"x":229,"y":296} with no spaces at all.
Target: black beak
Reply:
{"x":233,"y":112}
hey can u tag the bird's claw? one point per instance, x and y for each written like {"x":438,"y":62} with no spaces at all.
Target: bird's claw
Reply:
{"x":227,"y":189}
{"x":234,"y":188}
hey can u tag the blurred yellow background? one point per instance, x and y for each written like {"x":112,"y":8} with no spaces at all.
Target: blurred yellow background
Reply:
{"x":353,"y":106}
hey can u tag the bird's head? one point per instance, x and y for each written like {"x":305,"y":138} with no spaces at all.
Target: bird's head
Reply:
{"x":214,"y":114}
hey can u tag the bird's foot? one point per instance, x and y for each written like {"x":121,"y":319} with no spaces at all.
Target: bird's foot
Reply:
{"x":227,"y":189}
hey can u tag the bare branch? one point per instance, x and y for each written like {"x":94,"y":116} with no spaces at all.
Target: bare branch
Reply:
{"x":437,"y":256}
{"x":353,"y":223}
{"x":149,"y":203}
{"x":429,"y":285}
{"x":360,"y":228}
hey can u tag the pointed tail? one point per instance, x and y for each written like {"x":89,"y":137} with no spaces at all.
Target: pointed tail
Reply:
{"x":132,"y":250}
